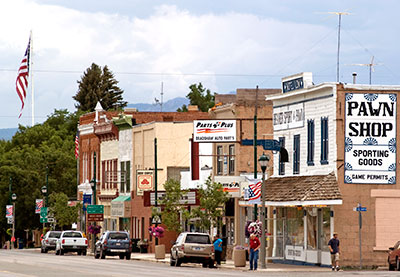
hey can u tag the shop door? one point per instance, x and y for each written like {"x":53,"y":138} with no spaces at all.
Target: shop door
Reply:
{"x":275,"y":236}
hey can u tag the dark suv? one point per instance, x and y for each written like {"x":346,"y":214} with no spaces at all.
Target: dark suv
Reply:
{"x":113,"y":243}
{"x":49,"y":241}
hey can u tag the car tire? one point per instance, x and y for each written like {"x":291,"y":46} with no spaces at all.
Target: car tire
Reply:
{"x":172,"y":262}
{"x":128,"y":256}
{"x":391,"y":267}
{"x":79,"y":253}
{"x":211,"y":263}
{"x":397,"y":264}
{"x":178,"y":262}
{"x":205,"y":264}
{"x":102,"y":254}
{"x":57,"y":252}
{"x":121,"y":256}
{"x":96,"y":255}
{"x":61,"y":252}
{"x":84,"y":252}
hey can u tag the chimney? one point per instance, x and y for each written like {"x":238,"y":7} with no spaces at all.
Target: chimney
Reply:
{"x":193,"y":108}
{"x":354,"y":77}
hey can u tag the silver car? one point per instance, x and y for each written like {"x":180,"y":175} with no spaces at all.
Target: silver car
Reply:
{"x":49,"y":241}
{"x":193,"y":248}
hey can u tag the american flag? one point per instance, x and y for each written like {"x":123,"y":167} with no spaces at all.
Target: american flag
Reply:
{"x":38,"y":206}
{"x":9,"y":211}
{"x":77,"y":145}
{"x":255,"y":190}
{"x":22,"y":78}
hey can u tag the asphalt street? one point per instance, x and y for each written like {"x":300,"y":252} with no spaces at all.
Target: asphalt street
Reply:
{"x":29,"y":263}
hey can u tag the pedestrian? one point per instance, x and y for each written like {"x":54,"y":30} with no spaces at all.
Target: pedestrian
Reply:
{"x":217,"y":249}
{"x":334,"y":248}
{"x":253,"y":249}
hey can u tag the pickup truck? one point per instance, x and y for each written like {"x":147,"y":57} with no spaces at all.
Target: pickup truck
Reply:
{"x":71,"y":241}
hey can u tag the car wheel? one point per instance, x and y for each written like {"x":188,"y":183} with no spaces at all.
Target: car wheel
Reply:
{"x":42,"y":250}
{"x":79,"y":253}
{"x":391,"y":267}
{"x":397,"y":264}
{"x":205,"y":264}
{"x":57,"y":252}
{"x":172,"y":262}
{"x":61,"y":252}
{"x":46,"y":250}
{"x":84,"y":252}
{"x":102,"y":254}
{"x":128,"y":256}
{"x":211,"y":263}
{"x":121,"y":256}
{"x":178,"y":262}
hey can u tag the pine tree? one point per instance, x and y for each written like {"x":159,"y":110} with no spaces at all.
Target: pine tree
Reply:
{"x":98,"y":84}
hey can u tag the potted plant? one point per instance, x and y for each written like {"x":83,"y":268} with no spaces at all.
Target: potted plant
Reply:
{"x":158,"y":232}
{"x":143,"y":245}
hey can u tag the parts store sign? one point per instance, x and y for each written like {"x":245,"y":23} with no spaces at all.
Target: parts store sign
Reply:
{"x":370,"y":138}
{"x":214,"y":130}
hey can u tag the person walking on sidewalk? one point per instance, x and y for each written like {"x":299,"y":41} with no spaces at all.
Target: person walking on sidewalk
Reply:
{"x":253,"y":249}
{"x":217,"y":249}
{"x":334,"y":247}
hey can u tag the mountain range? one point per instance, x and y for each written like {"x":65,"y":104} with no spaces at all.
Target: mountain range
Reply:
{"x":169,"y":106}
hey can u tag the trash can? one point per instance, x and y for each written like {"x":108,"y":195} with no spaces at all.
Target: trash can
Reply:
{"x":21,"y":244}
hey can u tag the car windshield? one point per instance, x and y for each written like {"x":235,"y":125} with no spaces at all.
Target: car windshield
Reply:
{"x":117,"y":236}
{"x":55,"y":235}
{"x":72,"y":235}
{"x":201,"y":239}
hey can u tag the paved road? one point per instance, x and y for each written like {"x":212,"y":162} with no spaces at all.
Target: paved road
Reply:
{"x":29,"y":263}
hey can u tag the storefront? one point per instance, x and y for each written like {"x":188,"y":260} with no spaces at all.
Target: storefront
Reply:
{"x":300,"y":217}
{"x":121,"y":212}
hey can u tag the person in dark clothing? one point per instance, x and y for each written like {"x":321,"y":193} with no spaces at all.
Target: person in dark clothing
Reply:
{"x":217,"y":249}
{"x":334,"y":247}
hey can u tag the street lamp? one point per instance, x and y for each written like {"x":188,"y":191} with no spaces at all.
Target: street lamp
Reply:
{"x":263,"y":162}
{"x":13,"y":198}
{"x":44,"y":191}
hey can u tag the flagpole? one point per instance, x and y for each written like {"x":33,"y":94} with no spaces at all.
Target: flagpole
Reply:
{"x":31,"y":75}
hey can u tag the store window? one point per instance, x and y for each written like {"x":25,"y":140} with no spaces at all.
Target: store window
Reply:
{"x":310,"y":142}
{"x":231,"y":159}
{"x":281,"y":164}
{"x":125,"y":177}
{"x":324,"y":140}
{"x":219,"y":160}
{"x":296,"y":154}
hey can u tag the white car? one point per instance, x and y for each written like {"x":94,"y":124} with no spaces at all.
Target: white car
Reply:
{"x":71,"y":241}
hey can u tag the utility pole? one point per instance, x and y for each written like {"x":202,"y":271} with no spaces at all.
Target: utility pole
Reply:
{"x":155,"y":179}
{"x":255,"y":146}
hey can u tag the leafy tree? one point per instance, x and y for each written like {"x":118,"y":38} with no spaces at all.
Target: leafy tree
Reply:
{"x":65,"y":215}
{"x":199,"y":96}
{"x":98,"y":84}
{"x":172,"y":209}
{"x":211,"y":209}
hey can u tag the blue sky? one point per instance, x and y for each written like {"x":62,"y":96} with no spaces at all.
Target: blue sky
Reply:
{"x":223,"y":44}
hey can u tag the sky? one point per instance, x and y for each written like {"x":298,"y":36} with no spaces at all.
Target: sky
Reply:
{"x":224,"y":44}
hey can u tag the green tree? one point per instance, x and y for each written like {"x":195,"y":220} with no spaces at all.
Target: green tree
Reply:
{"x":98,"y":84}
{"x":212,"y":202}
{"x":172,"y":209}
{"x":64,"y":215}
{"x":199,"y":96}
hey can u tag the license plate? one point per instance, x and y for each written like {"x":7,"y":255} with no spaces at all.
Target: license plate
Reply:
{"x":197,"y":248}
{"x":74,"y":246}
{"x":118,"y":243}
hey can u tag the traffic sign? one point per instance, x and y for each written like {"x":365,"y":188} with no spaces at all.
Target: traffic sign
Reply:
{"x":156,"y":219}
{"x":51,"y":220}
{"x":43,"y":220}
{"x":43,"y":212}
{"x":95,"y":217}
{"x":360,"y":209}
{"x":95,"y":209}
{"x":10,"y":220}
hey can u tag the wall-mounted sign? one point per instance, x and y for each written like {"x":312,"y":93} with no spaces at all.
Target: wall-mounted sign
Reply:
{"x":295,"y":253}
{"x":188,"y":199}
{"x":230,"y":184}
{"x":288,"y":117}
{"x":144,"y":181}
{"x":293,"y":84}
{"x":214,"y":130}
{"x":370,"y":138}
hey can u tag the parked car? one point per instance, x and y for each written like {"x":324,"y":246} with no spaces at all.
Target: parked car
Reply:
{"x":113,"y":243}
{"x":71,"y":241}
{"x":49,"y":241}
{"x":394,"y":257}
{"x":193,"y":248}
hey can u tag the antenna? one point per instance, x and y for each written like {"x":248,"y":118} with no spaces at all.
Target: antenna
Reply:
{"x":370,"y":65}
{"x":338,"y":47}
{"x":158,"y":102}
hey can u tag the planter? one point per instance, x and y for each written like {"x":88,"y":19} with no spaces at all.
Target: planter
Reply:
{"x":239,"y":257}
{"x":160,"y":251}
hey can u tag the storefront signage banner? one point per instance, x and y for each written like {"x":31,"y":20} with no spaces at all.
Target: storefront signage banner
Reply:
{"x":214,"y":130}
{"x":295,"y":253}
{"x":117,"y":209}
{"x":188,"y":199}
{"x":288,"y":117}
{"x":294,"y":84}
{"x":144,"y":181}
{"x":230,"y":184}
{"x":370,"y":138}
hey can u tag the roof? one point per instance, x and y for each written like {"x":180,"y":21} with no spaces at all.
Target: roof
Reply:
{"x":303,"y":188}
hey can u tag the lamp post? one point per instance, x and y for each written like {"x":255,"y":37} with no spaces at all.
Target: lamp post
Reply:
{"x":263,"y":161}
{"x":44,"y":192}
{"x":13,"y":198}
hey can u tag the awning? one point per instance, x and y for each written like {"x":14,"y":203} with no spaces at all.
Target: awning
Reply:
{"x":122,"y":198}
{"x":301,"y":191}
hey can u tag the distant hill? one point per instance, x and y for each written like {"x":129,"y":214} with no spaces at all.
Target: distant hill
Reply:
{"x":7,"y":133}
{"x":169,"y":106}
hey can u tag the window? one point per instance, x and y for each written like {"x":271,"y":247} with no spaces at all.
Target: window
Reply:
{"x":324,"y":140}
{"x":231,"y":159}
{"x":296,"y":154}
{"x":310,"y":141}
{"x":219,"y":160}
{"x":125,"y":177}
{"x":281,"y":164}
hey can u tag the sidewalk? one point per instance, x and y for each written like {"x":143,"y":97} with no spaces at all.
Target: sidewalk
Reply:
{"x":271,"y":267}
